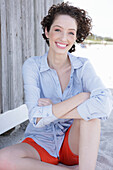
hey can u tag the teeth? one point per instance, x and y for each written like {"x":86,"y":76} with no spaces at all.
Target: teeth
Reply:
{"x":61,"y":45}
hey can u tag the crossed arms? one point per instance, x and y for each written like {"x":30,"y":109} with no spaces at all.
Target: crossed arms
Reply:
{"x":66,"y":109}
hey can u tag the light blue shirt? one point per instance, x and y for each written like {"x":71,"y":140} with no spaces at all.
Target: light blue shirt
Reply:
{"x":40,"y":81}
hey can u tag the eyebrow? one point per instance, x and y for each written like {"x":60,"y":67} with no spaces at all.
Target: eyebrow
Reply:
{"x":62,"y":27}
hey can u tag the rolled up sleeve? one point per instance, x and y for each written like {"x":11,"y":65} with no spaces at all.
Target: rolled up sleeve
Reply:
{"x":32,"y":95}
{"x":46,"y":115}
{"x":100,"y":103}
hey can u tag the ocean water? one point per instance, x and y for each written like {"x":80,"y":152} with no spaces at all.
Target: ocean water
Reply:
{"x":101,"y":57}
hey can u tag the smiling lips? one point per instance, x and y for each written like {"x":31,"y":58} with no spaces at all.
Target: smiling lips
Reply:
{"x":61,"y":45}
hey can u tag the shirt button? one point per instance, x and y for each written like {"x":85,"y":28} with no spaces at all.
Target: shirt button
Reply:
{"x":47,"y":114}
{"x":88,"y":117}
{"x":68,"y":86}
{"x":40,"y":111}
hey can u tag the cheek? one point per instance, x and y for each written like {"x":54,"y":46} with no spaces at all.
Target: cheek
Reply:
{"x":52,"y":38}
{"x":72,"y":39}
{"x":54,"y":35}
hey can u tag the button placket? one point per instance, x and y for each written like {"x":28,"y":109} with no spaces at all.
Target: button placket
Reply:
{"x":57,"y":83}
{"x":40,"y":111}
{"x":68,"y":89}
{"x":55,"y":139}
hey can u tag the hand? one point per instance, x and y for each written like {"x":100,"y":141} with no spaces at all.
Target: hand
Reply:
{"x":85,"y":96}
{"x":44,"y":102}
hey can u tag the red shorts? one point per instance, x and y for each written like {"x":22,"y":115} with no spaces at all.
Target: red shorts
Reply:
{"x":65,"y":154}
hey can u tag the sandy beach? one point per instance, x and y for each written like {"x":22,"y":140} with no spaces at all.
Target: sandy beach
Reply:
{"x":101,"y":58}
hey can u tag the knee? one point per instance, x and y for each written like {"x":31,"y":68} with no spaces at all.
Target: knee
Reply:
{"x":6,"y":161}
{"x":90,"y":123}
{"x":95,"y":121}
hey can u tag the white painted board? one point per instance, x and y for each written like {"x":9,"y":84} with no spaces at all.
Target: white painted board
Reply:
{"x":12,"y":118}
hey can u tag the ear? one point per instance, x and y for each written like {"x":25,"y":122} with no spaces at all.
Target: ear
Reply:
{"x":76,"y":38}
{"x":46,"y":33}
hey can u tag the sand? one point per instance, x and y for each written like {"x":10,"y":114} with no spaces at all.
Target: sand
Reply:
{"x":105,"y":154}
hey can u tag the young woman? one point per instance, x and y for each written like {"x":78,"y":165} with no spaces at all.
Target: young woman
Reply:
{"x":65,"y":99}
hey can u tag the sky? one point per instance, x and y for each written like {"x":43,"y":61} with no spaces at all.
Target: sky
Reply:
{"x":101,"y":12}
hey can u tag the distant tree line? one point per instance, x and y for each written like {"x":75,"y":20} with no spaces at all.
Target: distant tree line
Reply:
{"x":99,"y":38}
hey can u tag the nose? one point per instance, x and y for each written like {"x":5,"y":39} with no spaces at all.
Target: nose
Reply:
{"x":63,"y":36}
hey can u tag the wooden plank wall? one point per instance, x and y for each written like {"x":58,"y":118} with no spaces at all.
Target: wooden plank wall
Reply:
{"x":20,"y":38}
{"x":0,"y":66}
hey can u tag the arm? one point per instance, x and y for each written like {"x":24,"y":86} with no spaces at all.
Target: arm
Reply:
{"x":42,"y":113}
{"x":73,"y":114}
{"x":62,"y":108}
{"x":100,"y":103}
{"x":66,"y":109}
{"x":32,"y":95}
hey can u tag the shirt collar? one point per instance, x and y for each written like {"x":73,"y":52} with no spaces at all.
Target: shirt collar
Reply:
{"x":75,"y":62}
{"x":43,"y":63}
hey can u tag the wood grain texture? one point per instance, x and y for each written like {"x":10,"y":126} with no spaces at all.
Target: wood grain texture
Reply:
{"x":21,"y":37}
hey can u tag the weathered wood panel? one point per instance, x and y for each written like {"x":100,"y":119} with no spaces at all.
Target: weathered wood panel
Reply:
{"x":0,"y":67}
{"x":0,"y":73}
{"x":39,"y":14}
{"x":57,"y":1}
{"x":4,"y":52}
{"x":28,"y":34}
{"x":14,"y":53}
{"x":21,"y":37}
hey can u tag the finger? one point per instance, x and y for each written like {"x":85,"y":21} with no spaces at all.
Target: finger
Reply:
{"x":43,"y":103}
{"x":45,"y":100}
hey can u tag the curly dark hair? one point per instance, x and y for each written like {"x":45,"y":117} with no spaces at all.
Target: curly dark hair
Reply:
{"x":80,"y":15}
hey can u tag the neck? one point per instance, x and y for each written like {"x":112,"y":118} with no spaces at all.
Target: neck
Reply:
{"x":58,"y":61}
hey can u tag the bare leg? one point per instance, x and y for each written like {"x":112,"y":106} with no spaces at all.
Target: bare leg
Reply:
{"x":23,"y":156}
{"x":86,"y":136}
{"x":89,"y":143}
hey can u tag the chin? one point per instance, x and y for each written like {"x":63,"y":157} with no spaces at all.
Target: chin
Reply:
{"x":61,"y":51}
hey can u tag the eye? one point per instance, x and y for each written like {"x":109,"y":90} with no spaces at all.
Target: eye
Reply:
{"x":71,"y":33}
{"x":57,"y":30}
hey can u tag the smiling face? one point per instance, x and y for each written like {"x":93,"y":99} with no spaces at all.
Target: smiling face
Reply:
{"x":62,"y":34}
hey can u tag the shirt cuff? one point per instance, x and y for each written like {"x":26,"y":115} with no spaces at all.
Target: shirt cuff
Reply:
{"x":83,"y":111}
{"x":45,"y":121}
{"x":46,"y":115}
